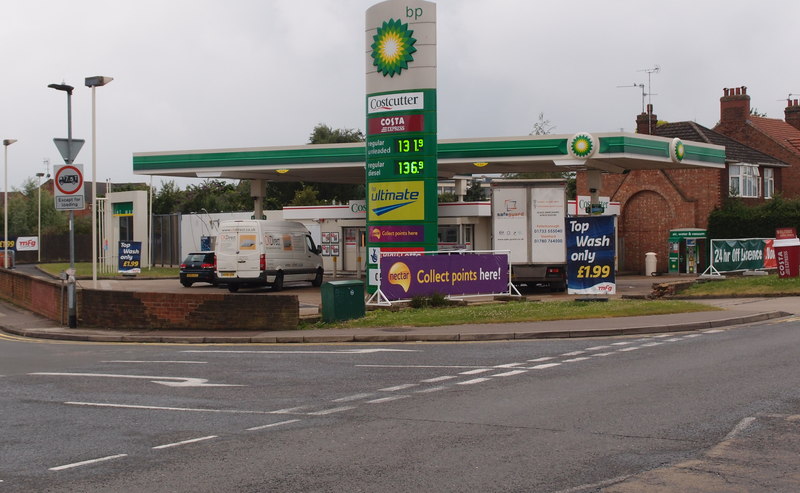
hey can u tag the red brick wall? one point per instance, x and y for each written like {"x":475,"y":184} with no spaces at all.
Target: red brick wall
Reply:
{"x":40,"y":296}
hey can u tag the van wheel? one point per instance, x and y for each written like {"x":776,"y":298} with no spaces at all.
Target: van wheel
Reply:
{"x":186,"y":284}
{"x":277,"y":284}
{"x":233,"y":288}
{"x":317,"y":282}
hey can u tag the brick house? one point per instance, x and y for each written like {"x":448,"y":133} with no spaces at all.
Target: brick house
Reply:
{"x":655,"y":202}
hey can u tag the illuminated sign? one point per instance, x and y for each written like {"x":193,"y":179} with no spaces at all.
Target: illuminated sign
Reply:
{"x":409,"y":167}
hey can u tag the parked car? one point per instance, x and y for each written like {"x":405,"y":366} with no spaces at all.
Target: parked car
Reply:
{"x":198,"y":267}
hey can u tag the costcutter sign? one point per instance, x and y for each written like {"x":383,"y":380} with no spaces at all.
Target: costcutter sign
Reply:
{"x":409,"y":276}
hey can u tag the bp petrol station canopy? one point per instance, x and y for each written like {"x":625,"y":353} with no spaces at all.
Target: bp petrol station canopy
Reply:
{"x":345,"y":163}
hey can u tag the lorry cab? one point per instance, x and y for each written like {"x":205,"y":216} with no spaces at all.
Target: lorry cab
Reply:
{"x":266,"y":253}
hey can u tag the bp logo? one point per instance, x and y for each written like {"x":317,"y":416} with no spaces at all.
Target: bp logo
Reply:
{"x":677,"y":150}
{"x":582,"y":145}
{"x":392,"y":48}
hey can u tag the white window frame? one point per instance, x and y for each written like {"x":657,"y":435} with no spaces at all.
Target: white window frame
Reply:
{"x":744,"y":181}
{"x":769,"y":183}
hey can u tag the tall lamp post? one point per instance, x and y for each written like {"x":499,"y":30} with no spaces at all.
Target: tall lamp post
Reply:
{"x":39,"y":228}
{"x":93,"y":82}
{"x":72,"y":317}
{"x":6,"y":143}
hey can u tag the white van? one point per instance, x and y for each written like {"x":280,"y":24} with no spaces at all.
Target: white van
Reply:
{"x":266,"y":253}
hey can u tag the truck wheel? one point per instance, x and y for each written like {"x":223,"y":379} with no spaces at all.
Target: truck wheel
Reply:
{"x":233,"y":288}
{"x":277,"y":284}
{"x":317,"y":282}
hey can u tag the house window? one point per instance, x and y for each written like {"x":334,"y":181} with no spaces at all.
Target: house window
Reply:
{"x":743,"y":180}
{"x":769,"y":183}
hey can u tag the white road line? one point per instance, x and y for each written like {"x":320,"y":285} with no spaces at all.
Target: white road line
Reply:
{"x":291,"y":410}
{"x":634,"y":348}
{"x":537,"y":360}
{"x":713,"y":331}
{"x":398,"y":387}
{"x":674,"y":339}
{"x":689,"y":336}
{"x":387,"y":399}
{"x":473,"y":381}
{"x":331,"y":411}
{"x":651,"y":344}
{"x":603,"y":354}
{"x":624,"y":343}
{"x":272,"y":425}
{"x":509,"y":365}
{"x":418,"y":366}
{"x":475,"y":372}
{"x":438,"y":379}
{"x":659,"y":336}
{"x":161,"y":408}
{"x":154,"y":361}
{"x":544,"y":366}
{"x":431,"y":389}
{"x":354,"y":397}
{"x":573,"y":353}
{"x":342,"y":351}
{"x":510,"y":373}
{"x":87,"y":462}
{"x":184,"y":442}
{"x":740,"y":427}
{"x":573,"y":360}
{"x":168,"y":381}
{"x":597,"y":348}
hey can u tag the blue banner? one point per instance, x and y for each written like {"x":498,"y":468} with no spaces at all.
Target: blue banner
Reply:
{"x":590,"y":255}
{"x":130,"y":257}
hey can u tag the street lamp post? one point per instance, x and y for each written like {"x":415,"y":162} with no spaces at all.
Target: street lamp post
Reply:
{"x":94,"y":82}
{"x":39,"y":228}
{"x":72,"y":317}
{"x":6,"y":143}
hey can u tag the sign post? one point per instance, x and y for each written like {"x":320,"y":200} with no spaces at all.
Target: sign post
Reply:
{"x":401,"y":168}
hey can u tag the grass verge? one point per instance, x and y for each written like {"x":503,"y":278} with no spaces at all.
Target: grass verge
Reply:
{"x":515,"y":312}
{"x":745,"y":286}
{"x":84,"y":269}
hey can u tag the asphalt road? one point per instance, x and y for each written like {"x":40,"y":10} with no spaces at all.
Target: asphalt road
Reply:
{"x":551,"y":416}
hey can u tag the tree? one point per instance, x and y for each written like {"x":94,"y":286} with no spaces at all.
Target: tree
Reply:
{"x":324,"y":134}
{"x":542,"y":127}
{"x":475,"y":192}
{"x":23,"y":212}
{"x":306,"y":196}
{"x":168,"y":198}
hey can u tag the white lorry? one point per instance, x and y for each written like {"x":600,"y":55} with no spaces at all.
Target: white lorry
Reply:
{"x":528,"y":220}
{"x":266,"y":253}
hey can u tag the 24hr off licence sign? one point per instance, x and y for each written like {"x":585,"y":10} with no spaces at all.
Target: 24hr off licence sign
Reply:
{"x":590,"y":255}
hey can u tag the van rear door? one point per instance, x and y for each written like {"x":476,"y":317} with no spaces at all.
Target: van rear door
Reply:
{"x":238,"y":255}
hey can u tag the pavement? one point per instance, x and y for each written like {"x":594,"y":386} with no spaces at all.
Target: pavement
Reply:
{"x":731,"y":311}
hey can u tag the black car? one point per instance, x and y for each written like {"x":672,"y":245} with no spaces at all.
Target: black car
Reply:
{"x":198,"y":267}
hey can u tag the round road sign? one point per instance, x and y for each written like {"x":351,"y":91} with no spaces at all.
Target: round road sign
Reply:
{"x":68,"y":179}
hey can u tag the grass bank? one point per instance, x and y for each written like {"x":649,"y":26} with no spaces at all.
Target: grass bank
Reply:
{"x":770,"y":285}
{"x":84,"y":269}
{"x":516,"y":312}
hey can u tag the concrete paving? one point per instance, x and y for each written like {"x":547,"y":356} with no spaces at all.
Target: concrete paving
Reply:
{"x":734,"y":311}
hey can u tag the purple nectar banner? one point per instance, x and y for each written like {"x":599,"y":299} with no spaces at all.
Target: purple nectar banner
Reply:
{"x":406,"y":277}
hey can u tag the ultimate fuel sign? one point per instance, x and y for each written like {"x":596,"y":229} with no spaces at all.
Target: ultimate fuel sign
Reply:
{"x":401,"y":168}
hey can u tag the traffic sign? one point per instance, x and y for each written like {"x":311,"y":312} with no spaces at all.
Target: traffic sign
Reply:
{"x":69,"y":149}
{"x":68,"y":189}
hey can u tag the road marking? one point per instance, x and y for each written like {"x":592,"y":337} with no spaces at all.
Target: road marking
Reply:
{"x":537,"y":360}
{"x":510,"y":373}
{"x":573,"y":360}
{"x":418,"y":366}
{"x":387,"y":399}
{"x":674,"y":339}
{"x":544,"y":366}
{"x":340,"y":351}
{"x":713,"y":331}
{"x":184,"y":442}
{"x":634,"y":348}
{"x":689,"y":336}
{"x":161,"y":408}
{"x":740,"y":427}
{"x":331,"y":411}
{"x":473,"y":381}
{"x":508,"y":365}
{"x":154,"y":361}
{"x":475,"y":372}
{"x":625,"y":343}
{"x":597,"y":348}
{"x":354,"y":397}
{"x":431,"y":389}
{"x":651,"y":344}
{"x":179,"y":381}
{"x":660,"y":336}
{"x":87,"y":462}
{"x":602,"y":354}
{"x":438,"y":379}
{"x":573,"y":353}
{"x":398,"y":387}
{"x":272,"y":425}
{"x":291,"y":410}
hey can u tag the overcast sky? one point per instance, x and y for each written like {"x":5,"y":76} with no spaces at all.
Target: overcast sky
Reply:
{"x":204,"y":74}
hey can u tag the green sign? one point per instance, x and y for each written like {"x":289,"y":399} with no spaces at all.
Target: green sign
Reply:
{"x":731,"y":255}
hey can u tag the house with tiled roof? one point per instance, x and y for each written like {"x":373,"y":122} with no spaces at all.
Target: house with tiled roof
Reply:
{"x":773,"y":136}
{"x":666,"y":211}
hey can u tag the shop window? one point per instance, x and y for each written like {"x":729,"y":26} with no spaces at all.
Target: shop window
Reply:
{"x":743,"y":180}
{"x":769,"y":183}
{"x":126,"y":228}
{"x":448,"y":234}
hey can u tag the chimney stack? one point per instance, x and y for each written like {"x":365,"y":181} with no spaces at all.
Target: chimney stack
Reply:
{"x":792,"y":113}
{"x":646,"y":122}
{"x":734,"y":105}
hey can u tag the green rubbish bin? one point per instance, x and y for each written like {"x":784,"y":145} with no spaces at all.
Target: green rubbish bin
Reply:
{"x":342,"y":300}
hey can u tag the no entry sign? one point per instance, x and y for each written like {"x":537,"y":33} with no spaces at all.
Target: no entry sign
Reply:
{"x":68,"y":187}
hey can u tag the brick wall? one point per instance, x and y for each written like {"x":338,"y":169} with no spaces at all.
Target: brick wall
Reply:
{"x":143,"y":310}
